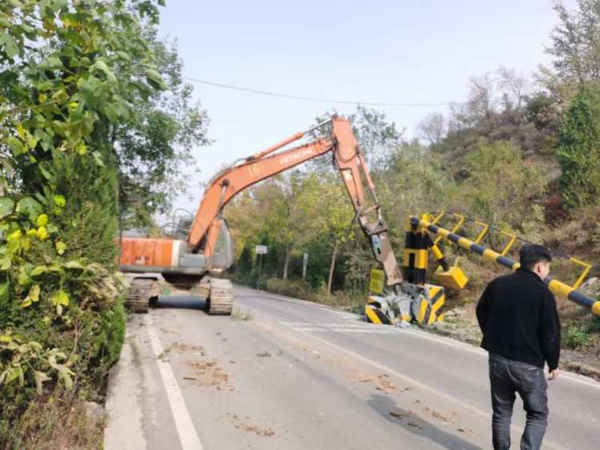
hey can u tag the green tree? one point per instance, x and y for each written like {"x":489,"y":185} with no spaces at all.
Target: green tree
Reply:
{"x":501,"y":187}
{"x":292,"y":219}
{"x":337,"y":214}
{"x":377,"y":137}
{"x":415,"y":183}
{"x":154,"y":147}
{"x":579,"y":149}
{"x":70,"y":73}
{"x":576,"y":42}
{"x":281,"y":210}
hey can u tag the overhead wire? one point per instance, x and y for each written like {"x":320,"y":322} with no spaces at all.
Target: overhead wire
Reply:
{"x":311,"y":99}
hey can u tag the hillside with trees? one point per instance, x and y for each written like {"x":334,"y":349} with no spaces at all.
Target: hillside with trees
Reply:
{"x":520,"y":152}
{"x":97,"y":125}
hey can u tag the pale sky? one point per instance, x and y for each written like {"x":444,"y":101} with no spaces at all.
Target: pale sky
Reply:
{"x":403,"y":51}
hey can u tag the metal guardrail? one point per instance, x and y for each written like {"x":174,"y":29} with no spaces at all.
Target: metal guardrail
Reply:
{"x":556,"y":286}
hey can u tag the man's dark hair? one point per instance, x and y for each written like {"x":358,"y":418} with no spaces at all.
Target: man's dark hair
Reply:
{"x":532,"y":254}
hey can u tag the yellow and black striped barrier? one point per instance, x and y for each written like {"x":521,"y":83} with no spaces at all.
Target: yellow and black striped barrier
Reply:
{"x":556,"y":286}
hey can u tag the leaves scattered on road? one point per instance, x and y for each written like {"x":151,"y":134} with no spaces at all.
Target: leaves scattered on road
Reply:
{"x":169,"y":330}
{"x":181,"y":347}
{"x":242,"y":314}
{"x":208,"y":373}
{"x":244,"y":425}
{"x":382,"y":382}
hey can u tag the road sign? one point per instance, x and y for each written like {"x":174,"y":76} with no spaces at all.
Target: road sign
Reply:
{"x":262,"y":249}
{"x":377,"y":281}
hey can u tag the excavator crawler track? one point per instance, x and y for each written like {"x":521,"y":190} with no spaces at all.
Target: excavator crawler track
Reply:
{"x":220,"y":300}
{"x":141,"y":292}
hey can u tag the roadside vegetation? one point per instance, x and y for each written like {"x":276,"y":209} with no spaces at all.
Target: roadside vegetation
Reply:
{"x":97,"y":128}
{"x":521,"y":152}
{"x":87,"y":92}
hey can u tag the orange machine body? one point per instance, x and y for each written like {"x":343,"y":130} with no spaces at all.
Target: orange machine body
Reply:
{"x":169,"y":256}
{"x":150,"y":253}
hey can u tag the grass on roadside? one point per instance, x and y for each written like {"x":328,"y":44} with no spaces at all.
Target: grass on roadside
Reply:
{"x":242,"y":314}
{"x":59,"y":421}
{"x":579,"y":335}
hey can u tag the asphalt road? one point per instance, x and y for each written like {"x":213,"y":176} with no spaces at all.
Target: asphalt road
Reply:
{"x":288,"y":374}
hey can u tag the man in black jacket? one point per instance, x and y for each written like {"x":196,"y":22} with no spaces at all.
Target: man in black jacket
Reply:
{"x":521,"y":331}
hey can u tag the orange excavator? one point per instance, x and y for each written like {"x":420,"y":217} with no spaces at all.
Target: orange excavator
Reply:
{"x":207,"y":251}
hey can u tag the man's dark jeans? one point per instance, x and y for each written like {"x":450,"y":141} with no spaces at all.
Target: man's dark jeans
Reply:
{"x":508,"y":377}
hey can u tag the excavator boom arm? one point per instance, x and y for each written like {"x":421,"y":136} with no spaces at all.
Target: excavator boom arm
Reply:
{"x":347,"y":159}
{"x":232,"y":181}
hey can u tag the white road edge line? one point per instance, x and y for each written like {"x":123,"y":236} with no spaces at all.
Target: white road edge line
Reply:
{"x":185,"y":427}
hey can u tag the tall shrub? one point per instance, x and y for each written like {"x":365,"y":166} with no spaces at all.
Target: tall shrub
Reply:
{"x":579,"y":149}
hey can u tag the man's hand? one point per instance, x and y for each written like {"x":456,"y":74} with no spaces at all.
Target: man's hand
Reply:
{"x":553,"y":374}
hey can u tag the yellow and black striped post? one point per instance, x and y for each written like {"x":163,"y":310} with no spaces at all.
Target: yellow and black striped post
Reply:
{"x":556,"y":286}
{"x":430,"y":302}
{"x":414,"y":262}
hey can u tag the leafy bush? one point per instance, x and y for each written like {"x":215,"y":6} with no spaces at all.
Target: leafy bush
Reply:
{"x":577,"y":335}
{"x":67,"y":96}
{"x":42,"y":352}
{"x":579,"y":153}
{"x":292,"y":288}
{"x":62,"y":322}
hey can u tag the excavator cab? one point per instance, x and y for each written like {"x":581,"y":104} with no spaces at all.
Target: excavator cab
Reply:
{"x":222,"y":258}
{"x":189,"y":268}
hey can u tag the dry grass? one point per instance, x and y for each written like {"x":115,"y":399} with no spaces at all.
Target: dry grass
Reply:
{"x":242,"y":314}
{"x":55,"y":423}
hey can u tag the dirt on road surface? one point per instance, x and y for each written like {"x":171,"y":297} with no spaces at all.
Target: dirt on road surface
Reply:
{"x":299,"y":376}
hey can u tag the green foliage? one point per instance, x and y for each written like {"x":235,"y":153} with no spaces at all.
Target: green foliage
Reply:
{"x":26,"y":357}
{"x":414,"y":182}
{"x":242,"y":314}
{"x":577,"y":336}
{"x":155,"y":144}
{"x":291,"y":288}
{"x":501,"y":188}
{"x":579,"y":151}
{"x":71,"y":74}
{"x":575,"y":43}
{"x":75,"y":349}
{"x":90,"y":196}
{"x":296,"y":213}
